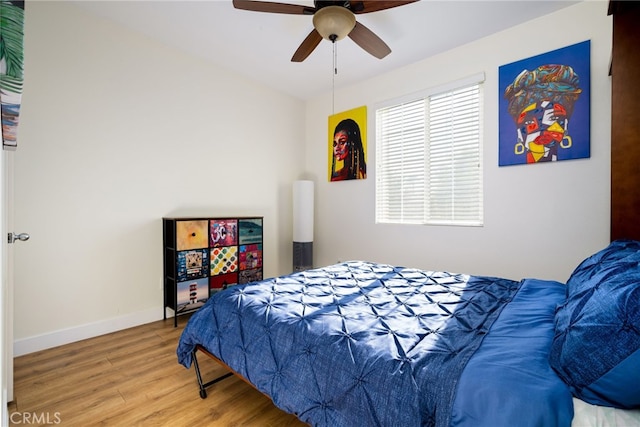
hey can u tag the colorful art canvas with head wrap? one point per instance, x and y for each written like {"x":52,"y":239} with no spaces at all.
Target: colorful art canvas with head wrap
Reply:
{"x":544,"y":107}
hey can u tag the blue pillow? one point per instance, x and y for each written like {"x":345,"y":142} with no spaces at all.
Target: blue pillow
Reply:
{"x":596,"y":347}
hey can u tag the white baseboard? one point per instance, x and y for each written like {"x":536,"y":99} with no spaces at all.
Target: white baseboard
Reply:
{"x":77,"y":333}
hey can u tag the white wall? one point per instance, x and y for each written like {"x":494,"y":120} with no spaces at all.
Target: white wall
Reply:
{"x":116,"y":132}
{"x":540,"y":220}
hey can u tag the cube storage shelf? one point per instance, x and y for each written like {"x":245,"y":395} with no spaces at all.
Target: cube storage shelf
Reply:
{"x":203,"y":255}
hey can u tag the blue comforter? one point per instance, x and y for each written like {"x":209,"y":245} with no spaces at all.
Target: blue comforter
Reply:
{"x":365,"y":344}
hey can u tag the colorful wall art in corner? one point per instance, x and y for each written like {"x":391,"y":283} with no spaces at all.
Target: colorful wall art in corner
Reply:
{"x":11,"y":71}
{"x":544,"y":107}
{"x":348,"y":145}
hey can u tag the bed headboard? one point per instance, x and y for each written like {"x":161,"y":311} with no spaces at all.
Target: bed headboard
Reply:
{"x":625,"y":133}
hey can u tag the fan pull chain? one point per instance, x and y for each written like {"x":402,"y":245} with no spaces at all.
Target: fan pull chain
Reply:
{"x":335,"y":73}
{"x":335,"y":58}
{"x":333,"y":78}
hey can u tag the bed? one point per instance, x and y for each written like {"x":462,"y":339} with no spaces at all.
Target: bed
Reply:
{"x":369,"y":344}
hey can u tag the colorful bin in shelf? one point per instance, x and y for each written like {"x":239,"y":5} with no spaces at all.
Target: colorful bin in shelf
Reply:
{"x":205,"y":255}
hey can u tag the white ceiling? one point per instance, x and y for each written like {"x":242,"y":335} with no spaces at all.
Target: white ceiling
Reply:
{"x":260,"y":45}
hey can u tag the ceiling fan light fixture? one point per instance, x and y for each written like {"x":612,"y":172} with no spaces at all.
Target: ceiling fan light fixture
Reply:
{"x":334,"y":22}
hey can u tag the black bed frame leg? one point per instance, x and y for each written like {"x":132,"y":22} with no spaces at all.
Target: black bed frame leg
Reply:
{"x":196,"y":367}
{"x":203,"y":386}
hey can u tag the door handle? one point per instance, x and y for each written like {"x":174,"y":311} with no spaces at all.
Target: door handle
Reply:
{"x":12,"y":237}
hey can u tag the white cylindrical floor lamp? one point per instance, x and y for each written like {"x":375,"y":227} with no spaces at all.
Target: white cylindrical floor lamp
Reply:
{"x":302,"y":225}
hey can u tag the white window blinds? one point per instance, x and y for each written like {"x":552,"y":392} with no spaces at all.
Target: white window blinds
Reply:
{"x":428,"y":158}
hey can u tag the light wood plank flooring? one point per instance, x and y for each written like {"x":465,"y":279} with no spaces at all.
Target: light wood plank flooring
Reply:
{"x":132,"y":378}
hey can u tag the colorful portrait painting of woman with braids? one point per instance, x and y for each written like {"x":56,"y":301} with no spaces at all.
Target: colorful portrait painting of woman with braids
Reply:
{"x":545,"y":107}
{"x":348,"y":144}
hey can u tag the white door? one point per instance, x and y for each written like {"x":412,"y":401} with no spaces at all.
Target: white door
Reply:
{"x":6,"y":329}
{"x":6,"y":272}
{"x":11,"y":67}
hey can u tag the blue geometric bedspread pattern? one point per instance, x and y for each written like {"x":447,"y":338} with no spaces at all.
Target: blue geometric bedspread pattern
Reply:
{"x":353,"y":344}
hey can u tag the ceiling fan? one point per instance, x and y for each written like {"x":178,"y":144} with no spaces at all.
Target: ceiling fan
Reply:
{"x":332,"y":20}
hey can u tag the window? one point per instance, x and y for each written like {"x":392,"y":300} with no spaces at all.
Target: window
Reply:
{"x":429,"y":157}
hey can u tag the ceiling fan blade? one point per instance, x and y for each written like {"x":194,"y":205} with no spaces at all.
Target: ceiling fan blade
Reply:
{"x":366,"y":39}
{"x":307,"y":46}
{"x":364,"y":6}
{"x":272,"y":7}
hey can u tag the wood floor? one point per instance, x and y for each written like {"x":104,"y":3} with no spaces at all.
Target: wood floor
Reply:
{"x":132,"y":378}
